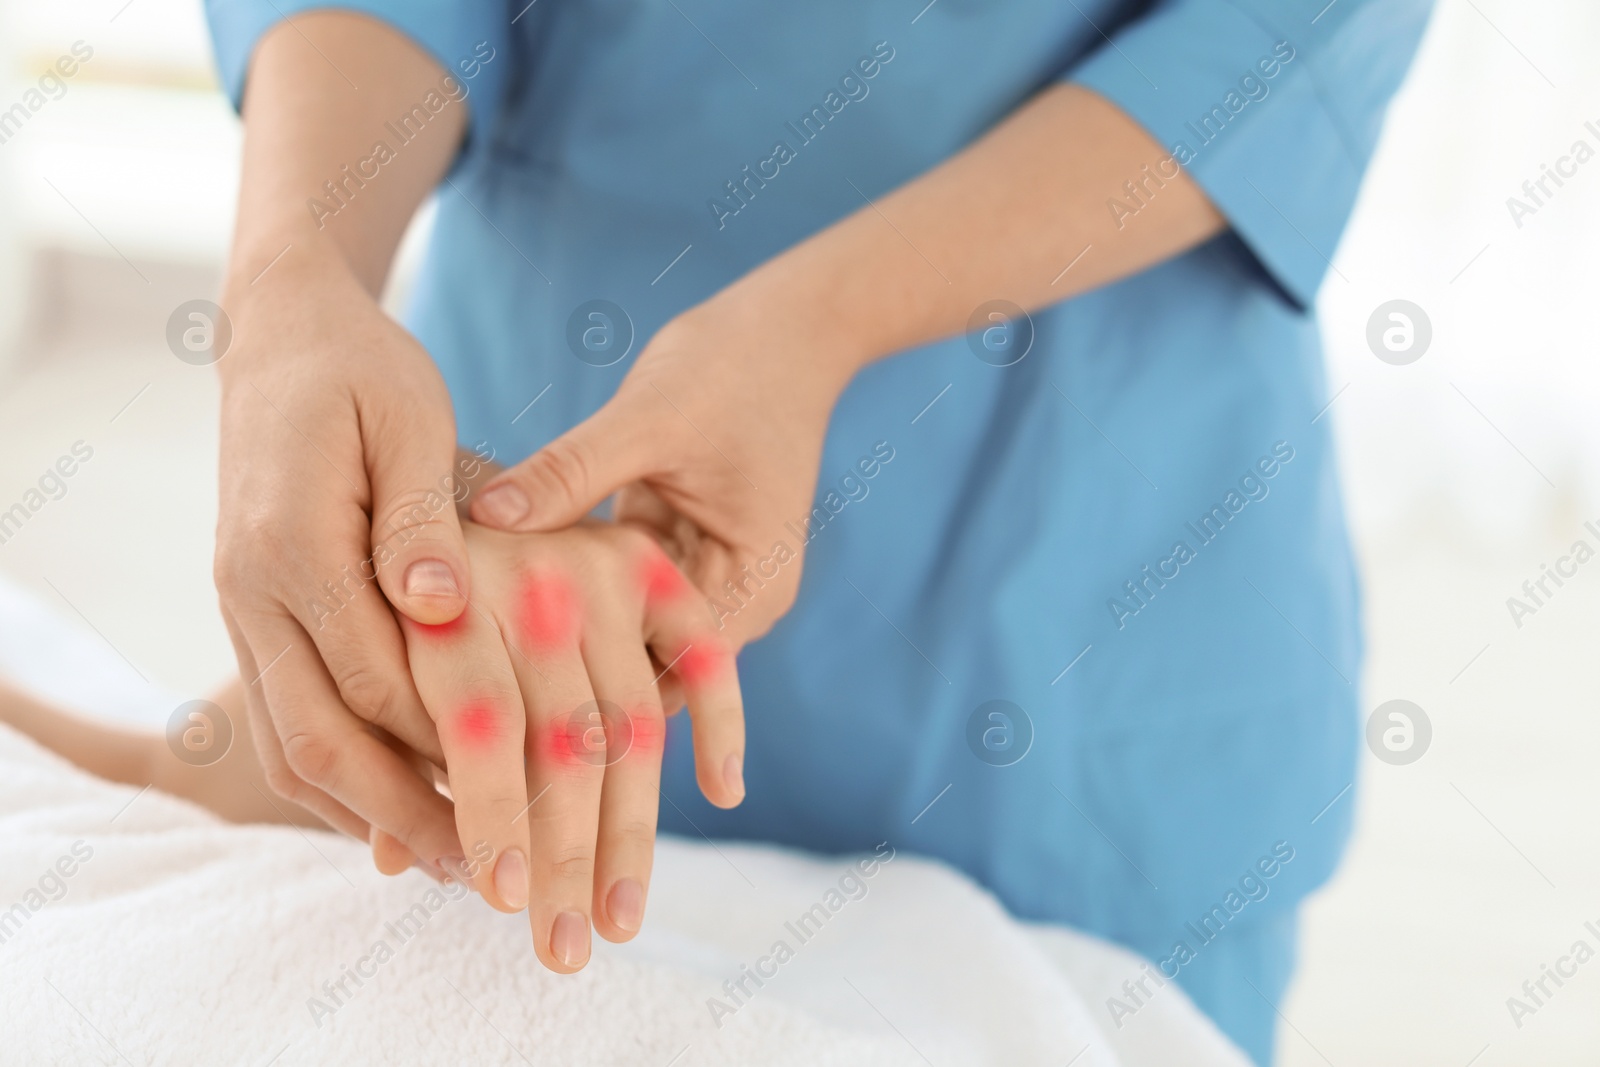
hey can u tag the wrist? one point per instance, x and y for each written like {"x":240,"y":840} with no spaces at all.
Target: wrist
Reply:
{"x":796,"y":313}
{"x":849,"y":294}
{"x":280,"y":277}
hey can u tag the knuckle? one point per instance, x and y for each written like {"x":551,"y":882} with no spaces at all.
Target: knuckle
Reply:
{"x":283,"y":781}
{"x":491,"y":721}
{"x":566,"y":469}
{"x":571,"y":864}
{"x":409,"y":515}
{"x":366,"y":693}
{"x":312,"y":757}
{"x":408,"y":829}
{"x":636,"y":832}
{"x":231,"y":568}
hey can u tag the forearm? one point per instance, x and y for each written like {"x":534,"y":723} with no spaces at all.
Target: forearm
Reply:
{"x":308,"y":124}
{"x":1002,"y":219}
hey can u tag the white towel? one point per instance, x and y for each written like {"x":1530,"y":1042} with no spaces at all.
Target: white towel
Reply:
{"x":136,"y":928}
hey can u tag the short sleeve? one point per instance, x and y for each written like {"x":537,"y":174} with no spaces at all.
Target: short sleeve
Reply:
{"x":469,"y":38}
{"x":1273,"y":107}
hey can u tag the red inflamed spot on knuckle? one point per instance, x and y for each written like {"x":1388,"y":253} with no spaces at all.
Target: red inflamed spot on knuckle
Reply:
{"x":640,"y":732}
{"x":662,"y":582}
{"x":548,"y":612}
{"x":701,"y":662}
{"x":573,"y":742}
{"x":479,"y":724}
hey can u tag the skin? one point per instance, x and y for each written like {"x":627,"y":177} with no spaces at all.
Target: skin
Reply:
{"x":544,"y":694}
{"x":337,"y":442}
{"x":552,"y":733}
{"x":715,"y":476}
{"x":335,"y":421}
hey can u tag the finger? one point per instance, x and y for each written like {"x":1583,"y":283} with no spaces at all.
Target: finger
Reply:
{"x":668,"y":686}
{"x":700,"y":660}
{"x":467,"y":684}
{"x":269,"y":750}
{"x":388,"y":854}
{"x":565,"y":748}
{"x":570,"y":476}
{"x":329,"y":748}
{"x":621,"y":675}
{"x":359,"y":642}
{"x":416,"y":536}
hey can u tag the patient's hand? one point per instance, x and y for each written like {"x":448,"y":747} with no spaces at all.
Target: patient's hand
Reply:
{"x":548,"y":709}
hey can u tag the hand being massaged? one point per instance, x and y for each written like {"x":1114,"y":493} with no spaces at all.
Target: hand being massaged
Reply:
{"x":547,"y":695}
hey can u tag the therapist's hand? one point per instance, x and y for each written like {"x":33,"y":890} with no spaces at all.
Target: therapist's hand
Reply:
{"x":338,"y":459}
{"x":714,"y":438}
{"x":715,"y":434}
{"x":336,"y":428}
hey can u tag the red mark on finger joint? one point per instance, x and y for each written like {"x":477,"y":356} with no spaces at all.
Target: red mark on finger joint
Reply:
{"x":701,"y":662}
{"x":578,"y":739}
{"x":661,"y":580}
{"x":548,"y":614}
{"x":443,"y":631}
{"x":638,"y":733}
{"x":599,"y":733}
{"x":479,"y":725}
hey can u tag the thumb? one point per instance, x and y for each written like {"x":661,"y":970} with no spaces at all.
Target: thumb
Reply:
{"x":417,"y":545}
{"x":569,"y":477}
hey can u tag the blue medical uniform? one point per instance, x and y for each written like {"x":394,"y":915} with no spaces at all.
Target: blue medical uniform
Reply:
{"x":1132,"y":536}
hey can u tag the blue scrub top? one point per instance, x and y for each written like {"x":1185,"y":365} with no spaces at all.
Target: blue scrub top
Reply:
{"x":1147,"y":497}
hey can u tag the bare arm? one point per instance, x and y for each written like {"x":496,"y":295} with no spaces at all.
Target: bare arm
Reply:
{"x":335,"y":427}
{"x":1003,"y":218}
{"x":322,"y":89}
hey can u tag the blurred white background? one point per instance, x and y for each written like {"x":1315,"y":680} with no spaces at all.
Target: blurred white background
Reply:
{"x":1465,"y":471}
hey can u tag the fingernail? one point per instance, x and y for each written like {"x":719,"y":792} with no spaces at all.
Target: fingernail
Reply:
{"x":430,"y":870}
{"x":452,"y":867}
{"x":505,"y":504}
{"x":511,"y":878}
{"x":430,"y":577}
{"x":625,"y":905}
{"x":733,"y":774}
{"x":569,"y":938}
